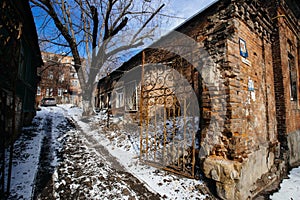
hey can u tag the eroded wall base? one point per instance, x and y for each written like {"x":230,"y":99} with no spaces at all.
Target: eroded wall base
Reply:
{"x":240,"y":180}
{"x":294,"y":148}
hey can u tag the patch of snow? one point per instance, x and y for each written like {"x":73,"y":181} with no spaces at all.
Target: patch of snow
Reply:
{"x":124,"y":146}
{"x":289,"y":188}
{"x":26,"y":160}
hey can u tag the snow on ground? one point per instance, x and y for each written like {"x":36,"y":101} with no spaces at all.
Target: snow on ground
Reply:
{"x":289,"y":188}
{"x":26,"y":159}
{"x":124,"y":146}
{"x":100,"y":163}
{"x":50,"y":124}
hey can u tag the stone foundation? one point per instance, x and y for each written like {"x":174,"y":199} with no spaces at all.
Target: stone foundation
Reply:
{"x":237,"y":180}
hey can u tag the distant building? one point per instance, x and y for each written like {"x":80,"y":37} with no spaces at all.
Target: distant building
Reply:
{"x":59,"y":79}
{"x":247,"y":81}
{"x":19,"y":59}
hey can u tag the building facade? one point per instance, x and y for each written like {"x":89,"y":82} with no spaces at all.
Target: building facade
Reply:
{"x":19,"y":59}
{"x":59,"y":79}
{"x":244,"y":69}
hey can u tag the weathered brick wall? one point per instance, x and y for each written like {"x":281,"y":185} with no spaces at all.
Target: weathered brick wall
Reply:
{"x":249,"y":136}
{"x":286,"y":33}
{"x":254,"y":114}
{"x":288,"y":110}
{"x":241,"y":129}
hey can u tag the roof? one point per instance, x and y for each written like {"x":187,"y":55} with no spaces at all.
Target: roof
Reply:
{"x":138,"y":56}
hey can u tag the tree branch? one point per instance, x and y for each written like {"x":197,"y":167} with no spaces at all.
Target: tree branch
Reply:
{"x":145,"y":24}
{"x":94,"y":12}
{"x":64,"y":31}
{"x":108,"y":11}
{"x":55,"y":43}
{"x":119,"y":27}
{"x":123,"y":48}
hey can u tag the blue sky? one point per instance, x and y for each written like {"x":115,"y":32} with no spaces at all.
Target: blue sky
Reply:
{"x":187,"y":8}
{"x":183,"y":9}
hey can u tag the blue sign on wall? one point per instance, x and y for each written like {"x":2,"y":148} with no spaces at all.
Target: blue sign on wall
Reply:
{"x":243,"y":48}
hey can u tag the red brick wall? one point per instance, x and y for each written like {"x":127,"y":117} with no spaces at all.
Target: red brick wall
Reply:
{"x":286,"y":33}
{"x":253,"y":119}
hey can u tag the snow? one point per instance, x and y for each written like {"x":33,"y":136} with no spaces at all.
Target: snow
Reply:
{"x":289,"y":188}
{"x":102,"y":163}
{"x":26,"y":159}
{"x":27,"y":151}
{"x":125,"y":149}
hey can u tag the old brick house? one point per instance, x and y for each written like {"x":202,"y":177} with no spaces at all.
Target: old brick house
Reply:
{"x":59,"y":79}
{"x":244,"y":68}
{"x":19,"y":59}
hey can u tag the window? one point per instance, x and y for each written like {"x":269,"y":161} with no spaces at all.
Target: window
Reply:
{"x":51,"y":92}
{"x":47,"y":92}
{"x":61,"y":77}
{"x":74,"y":83}
{"x":102,"y":102}
{"x":119,"y":98}
{"x":59,"y":92}
{"x":293,"y":77}
{"x":74,"y":75}
{"x":38,"y":92}
{"x":108,"y":99}
{"x":130,"y":96}
{"x":50,"y":75}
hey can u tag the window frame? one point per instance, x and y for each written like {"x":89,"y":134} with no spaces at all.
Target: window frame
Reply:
{"x":119,"y":102}
{"x":135,"y":97}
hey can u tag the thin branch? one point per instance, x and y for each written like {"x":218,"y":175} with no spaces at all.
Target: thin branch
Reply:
{"x":145,"y":24}
{"x":119,"y":27}
{"x":123,"y":13}
{"x":39,"y":5}
{"x":123,"y":48}
{"x":55,"y":43}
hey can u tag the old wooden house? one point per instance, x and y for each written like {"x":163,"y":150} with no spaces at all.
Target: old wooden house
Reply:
{"x":19,"y":59}
{"x":241,"y":60}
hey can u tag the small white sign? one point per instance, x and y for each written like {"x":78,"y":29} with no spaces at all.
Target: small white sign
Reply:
{"x":246,"y":61}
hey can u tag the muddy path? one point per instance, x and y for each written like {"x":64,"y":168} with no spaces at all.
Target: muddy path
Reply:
{"x":54,"y":128}
{"x":75,"y":166}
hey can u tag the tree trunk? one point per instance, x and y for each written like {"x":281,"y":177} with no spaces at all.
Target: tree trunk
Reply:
{"x":87,"y":107}
{"x":88,"y":99}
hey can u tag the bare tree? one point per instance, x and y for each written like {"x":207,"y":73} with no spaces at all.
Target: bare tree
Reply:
{"x":97,"y":30}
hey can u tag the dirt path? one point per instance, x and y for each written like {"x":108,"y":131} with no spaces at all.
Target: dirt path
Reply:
{"x":45,"y":170}
{"x":86,"y":171}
